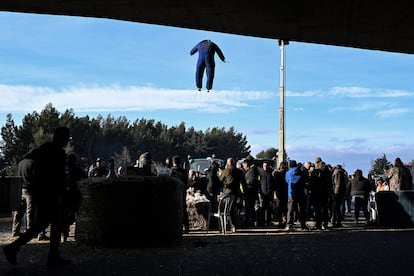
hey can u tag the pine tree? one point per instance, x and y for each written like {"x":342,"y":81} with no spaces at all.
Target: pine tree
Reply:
{"x":379,"y":164}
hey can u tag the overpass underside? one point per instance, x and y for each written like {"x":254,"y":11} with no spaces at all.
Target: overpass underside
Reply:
{"x":378,"y":25}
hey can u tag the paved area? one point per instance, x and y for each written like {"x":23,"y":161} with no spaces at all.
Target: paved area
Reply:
{"x":351,"y":250}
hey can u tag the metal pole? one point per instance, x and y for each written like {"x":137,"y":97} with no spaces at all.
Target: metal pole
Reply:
{"x":281,"y":154}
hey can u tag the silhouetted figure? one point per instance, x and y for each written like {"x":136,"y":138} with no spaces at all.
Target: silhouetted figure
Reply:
{"x":187,"y":163}
{"x":214,"y":186}
{"x":71,"y":198}
{"x":178,"y":171}
{"x":321,"y":189}
{"x":281,"y":193}
{"x":111,"y":169}
{"x":250,"y":189}
{"x":267,"y":189}
{"x":49,"y":187}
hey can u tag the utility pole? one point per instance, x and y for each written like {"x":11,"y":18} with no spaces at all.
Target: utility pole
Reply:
{"x":281,"y":154}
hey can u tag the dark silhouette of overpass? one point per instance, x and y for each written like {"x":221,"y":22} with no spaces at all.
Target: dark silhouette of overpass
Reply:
{"x":368,"y":24}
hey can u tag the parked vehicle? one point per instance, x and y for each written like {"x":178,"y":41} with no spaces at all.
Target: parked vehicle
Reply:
{"x":258,"y":162}
{"x":202,"y":164}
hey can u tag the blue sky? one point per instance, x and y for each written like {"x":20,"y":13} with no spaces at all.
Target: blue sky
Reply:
{"x":348,"y":106}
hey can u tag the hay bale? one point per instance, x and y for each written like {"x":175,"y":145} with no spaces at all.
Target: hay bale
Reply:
{"x":130,"y":212}
{"x":10,"y":193}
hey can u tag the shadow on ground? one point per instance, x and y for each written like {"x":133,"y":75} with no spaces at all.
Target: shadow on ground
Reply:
{"x":348,"y":251}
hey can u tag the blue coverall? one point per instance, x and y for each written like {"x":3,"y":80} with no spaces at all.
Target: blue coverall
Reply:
{"x":206,"y":50}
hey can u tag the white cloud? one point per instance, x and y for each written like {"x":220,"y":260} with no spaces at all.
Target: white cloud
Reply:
{"x":337,"y":109}
{"x":353,"y":92}
{"x":364,"y":106}
{"x":363,"y":92}
{"x":394,"y":112}
{"x":304,"y":94}
{"x":260,"y":130}
{"x":119,"y":98}
{"x":395,"y":93}
{"x":84,"y":98}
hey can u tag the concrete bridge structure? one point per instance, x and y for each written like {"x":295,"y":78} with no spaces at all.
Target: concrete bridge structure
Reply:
{"x":369,"y":24}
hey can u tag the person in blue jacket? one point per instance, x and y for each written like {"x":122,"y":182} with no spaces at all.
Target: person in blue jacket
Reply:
{"x":295,"y":179}
{"x":206,"y":50}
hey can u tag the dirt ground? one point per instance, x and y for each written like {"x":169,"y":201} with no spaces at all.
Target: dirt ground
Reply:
{"x":351,"y":250}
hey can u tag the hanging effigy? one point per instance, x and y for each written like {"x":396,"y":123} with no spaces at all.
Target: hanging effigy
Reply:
{"x":206,"y":50}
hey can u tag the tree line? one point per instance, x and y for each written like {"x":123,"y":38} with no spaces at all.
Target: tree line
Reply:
{"x":114,"y":137}
{"x":378,"y":165}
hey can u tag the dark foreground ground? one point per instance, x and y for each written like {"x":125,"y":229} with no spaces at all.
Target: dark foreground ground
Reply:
{"x":352,"y":250}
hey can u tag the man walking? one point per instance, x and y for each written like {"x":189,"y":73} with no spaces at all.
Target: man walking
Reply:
{"x":49,"y":187}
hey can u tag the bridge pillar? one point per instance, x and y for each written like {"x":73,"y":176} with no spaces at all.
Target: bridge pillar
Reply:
{"x":281,"y":154}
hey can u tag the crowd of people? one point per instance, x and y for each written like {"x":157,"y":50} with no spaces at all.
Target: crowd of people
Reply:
{"x":258,"y":195}
{"x":296,"y":192}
